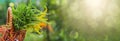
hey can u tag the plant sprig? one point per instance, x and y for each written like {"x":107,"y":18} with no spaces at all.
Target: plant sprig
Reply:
{"x":23,"y":15}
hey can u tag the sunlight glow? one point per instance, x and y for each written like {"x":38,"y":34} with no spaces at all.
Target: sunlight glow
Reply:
{"x":94,"y":7}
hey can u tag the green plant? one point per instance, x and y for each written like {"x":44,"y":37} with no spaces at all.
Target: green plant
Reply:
{"x":24,"y":16}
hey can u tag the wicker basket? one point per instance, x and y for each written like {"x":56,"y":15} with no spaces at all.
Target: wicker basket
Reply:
{"x":8,"y":32}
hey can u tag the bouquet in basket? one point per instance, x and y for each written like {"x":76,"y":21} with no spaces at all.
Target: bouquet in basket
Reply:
{"x":20,"y":18}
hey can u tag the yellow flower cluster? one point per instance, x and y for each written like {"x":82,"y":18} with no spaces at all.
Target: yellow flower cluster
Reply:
{"x":42,"y":17}
{"x":42,"y":23}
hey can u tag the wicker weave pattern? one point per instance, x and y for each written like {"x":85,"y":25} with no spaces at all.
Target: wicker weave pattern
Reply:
{"x":8,"y":32}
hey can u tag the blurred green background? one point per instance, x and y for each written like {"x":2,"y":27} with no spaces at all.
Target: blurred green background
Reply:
{"x":75,"y":20}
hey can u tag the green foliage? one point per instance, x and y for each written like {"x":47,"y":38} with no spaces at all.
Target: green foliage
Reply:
{"x":24,"y":15}
{"x":35,"y":37}
{"x":43,"y":3}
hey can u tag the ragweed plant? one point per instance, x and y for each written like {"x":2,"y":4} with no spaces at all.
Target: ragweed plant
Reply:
{"x":43,"y":21}
{"x":24,"y":15}
{"x":28,"y":16}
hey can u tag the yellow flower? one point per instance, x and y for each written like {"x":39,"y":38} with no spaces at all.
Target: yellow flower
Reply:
{"x":37,"y":28}
{"x":42,"y":16}
{"x":43,"y":25}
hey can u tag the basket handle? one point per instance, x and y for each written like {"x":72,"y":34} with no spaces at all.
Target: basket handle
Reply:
{"x":9,"y":17}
